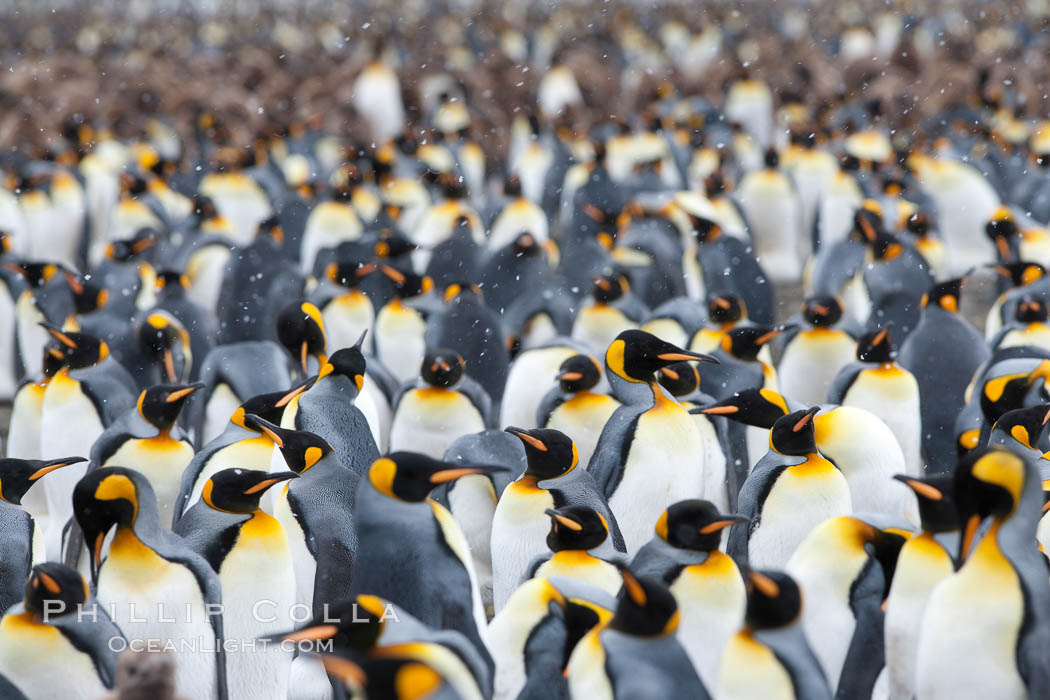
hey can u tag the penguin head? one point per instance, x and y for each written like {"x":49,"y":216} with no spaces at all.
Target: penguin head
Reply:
{"x":512,"y":186}
{"x":793,"y":434}
{"x":18,"y":475}
{"x":988,"y":482}
{"x":635,"y":356}
{"x":576,"y":528}
{"x":129,"y":249}
{"x":886,"y":247}
{"x":745,"y":342}
{"x":204,"y":208}
{"x":758,"y":407}
{"x":462,"y":291}
{"x":579,"y":373}
{"x":88,"y":294}
{"x":36,"y":275}
{"x":239,"y":490}
{"x":160,"y":405}
{"x":300,"y":329}
{"x":1020,"y":273}
{"x":270,"y":407}
{"x":54,"y":589}
{"x":609,"y":287}
{"x":392,"y":244}
{"x":347,"y":362}
{"x":705,"y":230}
{"x":680,"y":379}
{"x":171,"y":280}
{"x":877,"y":346}
{"x":1026,"y":425}
{"x":407,"y":285}
{"x":1002,"y":229}
{"x":79,"y":350}
{"x":1030,"y":309}
{"x":918,"y":224}
{"x":867,"y":226}
{"x":108,"y":498}
{"x":392,"y":672}
{"x":410,"y":476}
{"x":549,"y":453}
{"x":725,"y":307}
{"x":167,"y":343}
{"x":270,"y":229}
{"x":354,"y":624}
{"x":934,"y":494}
{"x":525,"y":246}
{"x":822,"y":310}
{"x":301,"y":449}
{"x":644,"y":607}
{"x":348,"y":273}
{"x":694,"y":524}
{"x":773,"y":600}
{"x":945,"y":295}
{"x":443,"y":368}
{"x":1008,"y":392}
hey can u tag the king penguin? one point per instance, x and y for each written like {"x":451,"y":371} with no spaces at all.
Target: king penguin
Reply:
{"x":58,"y":625}
{"x":249,"y":551}
{"x":574,"y":531}
{"x":83,"y":398}
{"x":152,"y":576}
{"x":646,"y":457}
{"x":317,"y":513}
{"x":876,"y":383}
{"x":399,"y":328}
{"x":575,"y":408}
{"x":441,"y":407}
{"x":147,"y":439}
{"x":812,"y":357}
{"x":706,"y":583}
{"x":412,"y":552}
{"x":942,"y":353}
{"x":770,"y":657}
{"x":520,"y":525}
{"x":330,"y":409}
{"x":985,"y":629}
{"x":635,"y":655}
{"x":844,"y":568}
{"x":24,"y":539}
{"x":241,"y":444}
{"x":789,"y":492}
{"x":925,"y":560}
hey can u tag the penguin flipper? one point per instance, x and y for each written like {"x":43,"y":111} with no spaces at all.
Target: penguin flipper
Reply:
{"x":95,"y":640}
{"x":840,"y":386}
{"x":749,"y":505}
{"x":334,"y":538}
{"x":481,"y":400}
{"x":548,"y":404}
{"x":607,"y":462}
{"x":866,"y":656}
{"x":17,"y":561}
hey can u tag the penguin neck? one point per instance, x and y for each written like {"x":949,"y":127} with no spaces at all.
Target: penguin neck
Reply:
{"x":633,"y":393}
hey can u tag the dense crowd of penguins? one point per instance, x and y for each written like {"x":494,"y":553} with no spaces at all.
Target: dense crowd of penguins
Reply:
{"x":441,"y":404}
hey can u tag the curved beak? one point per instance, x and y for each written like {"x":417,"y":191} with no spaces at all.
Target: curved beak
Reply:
{"x":52,"y":465}
{"x":564,"y":520}
{"x":269,"y":429}
{"x":522,"y":435}
{"x":723,"y":522}
{"x":805,"y":419}
{"x":920,"y":487}
{"x":184,"y":392}
{"x":271,"y":480}
{"x":59,"y":335}
{"x":685,"y":356}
